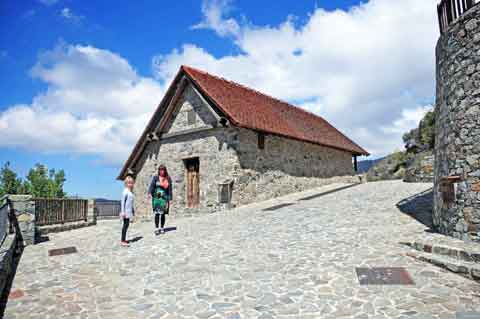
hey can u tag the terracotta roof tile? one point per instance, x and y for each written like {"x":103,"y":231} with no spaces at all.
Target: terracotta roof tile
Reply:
{"x":249,"y":108}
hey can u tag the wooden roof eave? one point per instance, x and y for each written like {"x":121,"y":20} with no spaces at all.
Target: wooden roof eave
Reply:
{"x":177,"y":87}
{"x":140,"y":145}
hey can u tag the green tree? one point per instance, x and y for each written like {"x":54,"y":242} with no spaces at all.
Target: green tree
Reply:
{"x":45,"y":183}
{"x":9,"y":182}
{"x":410,"y":136}
{"x":427,"y":130}
{"x":56,"y":181}
{"x":424,"y":134}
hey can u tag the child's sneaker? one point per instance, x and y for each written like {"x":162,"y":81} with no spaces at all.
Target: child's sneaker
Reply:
{"x":162,"y":231}
{"x":124,"y":243}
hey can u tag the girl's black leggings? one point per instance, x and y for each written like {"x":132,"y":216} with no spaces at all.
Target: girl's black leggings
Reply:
{"x":157,"y":217}
{"x":126,"y":223}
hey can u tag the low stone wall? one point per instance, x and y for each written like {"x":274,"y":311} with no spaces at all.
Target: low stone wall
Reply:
{"x":24,"y":210}
{"x":263,"y":186}
{"x":43,"y":230}
{"x":421,"y":171}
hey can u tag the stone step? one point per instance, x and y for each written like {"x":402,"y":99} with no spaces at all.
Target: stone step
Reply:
{"x":466,"y":269}
{"x":443,"y":250}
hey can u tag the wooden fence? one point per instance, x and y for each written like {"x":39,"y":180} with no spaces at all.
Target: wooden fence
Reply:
{"x":451,"y":10}
{"x":49,"y":211}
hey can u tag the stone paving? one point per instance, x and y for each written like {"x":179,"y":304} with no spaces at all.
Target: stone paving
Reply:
{"x":295,"y":262}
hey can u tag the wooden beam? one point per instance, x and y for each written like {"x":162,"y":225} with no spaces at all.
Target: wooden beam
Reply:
{"x":355,"y":163}
{"x":188,"y":132}
{"x":171,"y":105}
{"x":166,"y":114}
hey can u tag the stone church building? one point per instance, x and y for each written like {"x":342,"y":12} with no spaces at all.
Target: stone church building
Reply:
{"x":227,"y":145}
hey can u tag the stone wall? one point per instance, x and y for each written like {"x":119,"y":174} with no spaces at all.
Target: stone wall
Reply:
{"x":421,"y":169}
{"x":283,"y":166}
{"x":190,"y":102}
{"x":24,"y":209}
{"x":457,"y":147}
{"x":217,"y":162}
{"x":231,"y":155}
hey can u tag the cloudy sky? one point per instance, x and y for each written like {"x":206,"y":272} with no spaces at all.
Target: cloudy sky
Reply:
{"x":79,"y":80}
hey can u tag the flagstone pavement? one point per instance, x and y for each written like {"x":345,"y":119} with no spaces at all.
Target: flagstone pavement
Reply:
{"x":297,"y":261}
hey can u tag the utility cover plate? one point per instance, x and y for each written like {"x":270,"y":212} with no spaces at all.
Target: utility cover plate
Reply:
{"x":384,"y":276}
{"x":62,"y":251}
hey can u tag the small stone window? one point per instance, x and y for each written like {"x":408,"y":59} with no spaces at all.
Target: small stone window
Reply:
{"x":261,"y":141}
{"x":191,"y":117}
{"x":225,"y":189}
{"x":448,"y":188}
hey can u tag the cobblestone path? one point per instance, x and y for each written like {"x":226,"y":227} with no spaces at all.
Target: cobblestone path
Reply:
{"x":297,"y":261}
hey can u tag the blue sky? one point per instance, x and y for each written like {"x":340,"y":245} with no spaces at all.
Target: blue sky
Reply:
{"x":81,"y":78}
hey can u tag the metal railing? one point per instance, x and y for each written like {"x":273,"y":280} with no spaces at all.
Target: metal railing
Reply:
{"x":107,"y":209}
{"x":4,"y":210}
{"x":450,"y":10}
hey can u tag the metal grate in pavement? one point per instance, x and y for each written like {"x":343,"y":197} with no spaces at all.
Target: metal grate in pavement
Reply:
{"x":62,"y":251}
{"x":384,"y":276}
{"x":277,"y":207}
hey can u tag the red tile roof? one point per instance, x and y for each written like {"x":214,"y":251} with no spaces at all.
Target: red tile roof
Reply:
{"x":251,"y":109}
{"x":248,"y":108}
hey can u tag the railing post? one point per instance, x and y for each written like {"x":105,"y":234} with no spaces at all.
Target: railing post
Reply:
{"x":63,"y":211}
{"x":439,"y":13}
{"x":91,"y":216}
{"x":449,"y":12}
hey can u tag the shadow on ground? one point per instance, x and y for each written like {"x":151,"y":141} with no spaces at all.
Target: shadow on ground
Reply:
{"x":167,"y":229}
{"x":14,"y":227}
{"x":8,"y":286}
{"x":420,"y":207}
{"x":135,"y":239}
{"x":41,"y":239}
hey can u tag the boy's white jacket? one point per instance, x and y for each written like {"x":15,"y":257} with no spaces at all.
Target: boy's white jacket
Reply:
{"x":128,"y":200}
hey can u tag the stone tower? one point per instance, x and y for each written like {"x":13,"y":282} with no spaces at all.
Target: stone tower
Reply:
{"x":457,"y":145}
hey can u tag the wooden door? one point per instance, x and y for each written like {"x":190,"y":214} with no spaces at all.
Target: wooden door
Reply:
{"x":193,"y":182}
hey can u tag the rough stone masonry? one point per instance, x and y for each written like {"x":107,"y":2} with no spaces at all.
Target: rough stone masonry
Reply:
{"x":231,"y":155}
{"x":457,"y":146}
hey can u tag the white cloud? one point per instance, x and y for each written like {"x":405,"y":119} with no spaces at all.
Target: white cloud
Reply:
{"x":95,"y":103}
{"x":369,"y":71}
{"x":410,"y":118}
{"x":68,"y":15}
{"x":360,"y":68}
{"x":214,"y":12}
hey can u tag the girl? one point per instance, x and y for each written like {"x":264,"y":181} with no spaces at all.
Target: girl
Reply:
{"x":160,"y":191}
{"x":127,"y":211}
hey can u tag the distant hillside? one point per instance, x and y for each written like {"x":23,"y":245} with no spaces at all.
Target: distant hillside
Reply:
{"x":364,"y":166}
{"x":416,"y":162}
{"x":390,"y":167}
